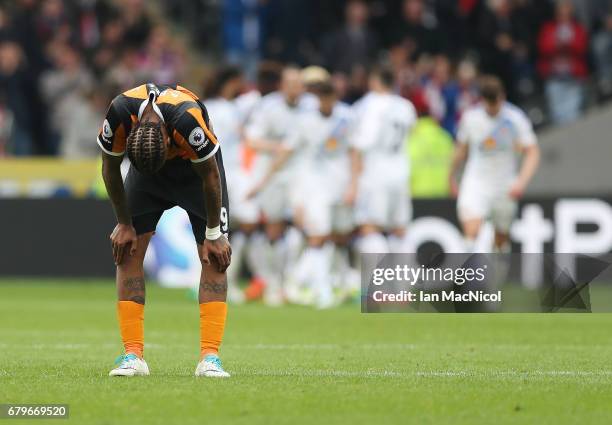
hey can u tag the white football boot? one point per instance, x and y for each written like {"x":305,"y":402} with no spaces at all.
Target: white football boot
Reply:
{"x":130,"y":365}
{"x":211,"y":367}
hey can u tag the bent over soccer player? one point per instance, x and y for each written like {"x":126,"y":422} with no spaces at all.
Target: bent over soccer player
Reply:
{"x":175,"y":160}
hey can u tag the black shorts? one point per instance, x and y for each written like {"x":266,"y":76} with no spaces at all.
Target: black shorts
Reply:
{"x":176,"y":184}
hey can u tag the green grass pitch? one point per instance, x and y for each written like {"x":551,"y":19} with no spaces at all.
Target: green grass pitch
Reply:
{"x":294,"y":365}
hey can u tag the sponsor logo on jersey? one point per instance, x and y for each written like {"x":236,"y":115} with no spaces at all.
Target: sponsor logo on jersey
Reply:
{"x":197,"y":138}
{"x":107,"y":131}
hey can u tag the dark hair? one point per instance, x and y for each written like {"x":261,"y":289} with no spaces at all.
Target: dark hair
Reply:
{"x":491,"y":88}
{"x":324,"y":88}
{"x":146,"y":148}
{"x":385,"y":75}
{"x":268,"y":77}
{"x":221,"y":78}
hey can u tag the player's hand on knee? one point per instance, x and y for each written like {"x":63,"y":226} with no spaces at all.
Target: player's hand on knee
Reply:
{"x":219,"y":250}
{"x":122,"y":238}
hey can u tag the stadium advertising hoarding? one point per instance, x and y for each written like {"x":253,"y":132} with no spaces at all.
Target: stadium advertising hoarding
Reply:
{"x":64,"y":227}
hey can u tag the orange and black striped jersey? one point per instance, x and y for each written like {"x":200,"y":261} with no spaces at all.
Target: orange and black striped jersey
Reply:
{"x":185,"y":118}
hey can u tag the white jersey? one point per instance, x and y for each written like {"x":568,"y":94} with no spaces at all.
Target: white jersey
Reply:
{"x":383,"y":123}
{"x":273,"y":119}
{"x":322,"y":145}
{"x":493,"y":143}
{"x":225,"y":117}
{"x":246,"y":104}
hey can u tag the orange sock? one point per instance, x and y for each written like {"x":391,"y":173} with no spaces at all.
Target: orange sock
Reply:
{"x":131,"y":325}
{"x":212,"y":325}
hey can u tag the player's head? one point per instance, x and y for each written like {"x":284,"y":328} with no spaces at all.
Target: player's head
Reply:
{"x":291,"y":84}
{"x":147,"y":146}
{"x":227,"y":83}
{"x":313,"y":76}
{"x":268,"y":77}
{"x":327,"y":97}
{"x":492,"y":93}
{"x":381,"y":79}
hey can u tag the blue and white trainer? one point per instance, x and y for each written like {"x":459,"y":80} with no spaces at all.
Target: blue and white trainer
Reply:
{"x":130,"y":365}
{"x":211,"y":367}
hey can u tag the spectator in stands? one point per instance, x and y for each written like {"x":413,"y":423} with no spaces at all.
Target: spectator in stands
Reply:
{"x":289,"y":32}
{"x":352,"y":46}
{"x":127,"y":73}
{"x":88,"y":111}
{"x":467,"y":74}
{"x":111,"y":42}
{"x":243,"y":33}
{"x":419,"y":29}
{"x":136,"y":21}
{"x":62,"y":89}
{"x":163,"y":58}
{"x":15,"y":83}
{"x":602,"y":44}
{"x":441,"y":92}
{"x":563,"y":46}
{"x":52,"y":22}
{"x":503,"y":39}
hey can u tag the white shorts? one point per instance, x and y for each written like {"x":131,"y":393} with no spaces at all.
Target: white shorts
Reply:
{"x":384,"y":204}
{"x":242,"y":210}
{"x":476,"y":201}
{"x":323,"y":217}
{"x":275,"y":200}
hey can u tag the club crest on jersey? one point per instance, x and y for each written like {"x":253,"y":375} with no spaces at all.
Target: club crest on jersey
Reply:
{"x":107,"y":131}
{"x":197,"y":138}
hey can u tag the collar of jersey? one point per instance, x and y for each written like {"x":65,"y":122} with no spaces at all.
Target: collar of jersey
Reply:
{"x":151,"y":99}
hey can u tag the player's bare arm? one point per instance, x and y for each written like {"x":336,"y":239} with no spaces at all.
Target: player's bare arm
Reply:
{"x":215,"y":244}
{"x":531,"y":161}
{"x":264,"y":145}
{"x":459,"y":157}
{"x":278,"y":163}
{"x":356,"y":169}
{"x":124,"y":234}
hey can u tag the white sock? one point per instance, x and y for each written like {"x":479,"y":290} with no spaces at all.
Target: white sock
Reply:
{"x":294,"y":243}
{"x":321,"y":282}
{"x":469,"y":244}
{"x":255,"y":255}
{"x":301,"y":272}
{"x":275,"y":260}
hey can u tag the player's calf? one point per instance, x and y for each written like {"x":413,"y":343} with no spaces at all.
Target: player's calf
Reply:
{"x":213,"y":314}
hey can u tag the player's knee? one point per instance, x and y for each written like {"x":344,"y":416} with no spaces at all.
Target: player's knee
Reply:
{"x":248,"y":228}
{"x":471,"y":228}
{"x":368,"y":229}
{"x":274,"y":231}
{"x":317,"y":241}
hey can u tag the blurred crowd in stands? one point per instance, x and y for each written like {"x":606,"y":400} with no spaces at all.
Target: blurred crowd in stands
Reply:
{"x":62,"y":61}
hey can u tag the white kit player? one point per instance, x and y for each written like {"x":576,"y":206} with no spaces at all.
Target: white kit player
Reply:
{"x":228,"y":126}
{"x":490,"y":136}
{"x":320,"y":140}
{"x":380,"y":169}
{"x":267,"y":132}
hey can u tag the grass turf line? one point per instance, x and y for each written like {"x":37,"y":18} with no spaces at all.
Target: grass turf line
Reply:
{"x":294,"y":365}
